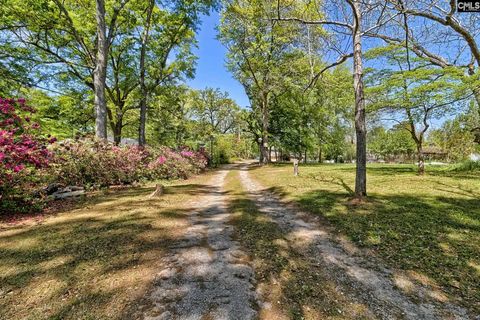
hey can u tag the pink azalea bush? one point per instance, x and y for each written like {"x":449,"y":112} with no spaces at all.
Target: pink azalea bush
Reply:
{"x":99,"y":164}
{"x":93,"y":163}
{"x":23,"y":152}
{"x":29,"y":162}
{"x":173,"y":164}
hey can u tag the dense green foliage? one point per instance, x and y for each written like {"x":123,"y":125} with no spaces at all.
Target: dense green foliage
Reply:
{"x":301,"y":105}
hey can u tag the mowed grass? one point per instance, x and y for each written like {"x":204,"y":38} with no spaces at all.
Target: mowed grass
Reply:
{"x":428,"y":225}
{"x":95,"y":261}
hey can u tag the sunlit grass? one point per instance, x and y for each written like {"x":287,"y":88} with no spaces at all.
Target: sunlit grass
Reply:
{"x":92,"y":262}
{"x":428,"y":224}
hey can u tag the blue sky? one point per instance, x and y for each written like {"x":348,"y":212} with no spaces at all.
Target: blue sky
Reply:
{"x":211,"y":70}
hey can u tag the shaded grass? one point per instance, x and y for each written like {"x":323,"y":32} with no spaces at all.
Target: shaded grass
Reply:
{"x":92,"y":262}
{"x":428,"y":225}
{"x":292,"y":284}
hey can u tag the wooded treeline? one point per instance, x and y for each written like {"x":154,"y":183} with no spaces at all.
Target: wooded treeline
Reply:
{"x":316,"y":70}
{"x":122,"y":55}
{"x":321,"y":76}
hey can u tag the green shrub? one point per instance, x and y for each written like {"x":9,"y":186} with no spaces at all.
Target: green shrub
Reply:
{"x":468,"y":165}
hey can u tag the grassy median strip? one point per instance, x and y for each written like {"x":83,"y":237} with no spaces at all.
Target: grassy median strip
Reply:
{"x":93,"y":262}
{"x":291,"y":285}
{"x":428,"y":226}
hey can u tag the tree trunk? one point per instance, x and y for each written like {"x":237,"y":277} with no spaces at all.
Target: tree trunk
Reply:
{"x":100,"y":73}
{"x":305,"y":159}
{"x":319,"y":153}
{"x":263,"y":153}
{"x":264,"y":146}
{"x":117,"y":126}
{"x":421,"y":160}
{"x":360,"y":127}
{"x":476,"y":95}
{"x":143,"y":87}
{"x":117,"y":133}
{"x":260,"y":155}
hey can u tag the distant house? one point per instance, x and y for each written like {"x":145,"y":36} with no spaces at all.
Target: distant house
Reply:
{"x":434,"y":153}
{"x":125,"y":141}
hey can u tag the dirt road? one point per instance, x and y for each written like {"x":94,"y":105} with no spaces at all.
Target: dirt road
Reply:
{"x":208,"y":275}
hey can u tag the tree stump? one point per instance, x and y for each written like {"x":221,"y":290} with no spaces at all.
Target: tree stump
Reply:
{"x":295,"y":167}
{"x":158,"y":191}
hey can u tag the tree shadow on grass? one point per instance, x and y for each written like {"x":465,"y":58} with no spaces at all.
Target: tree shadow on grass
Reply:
{"x":111,"y":235}
{"x":296,"y":287}
{"x":436,"y":236}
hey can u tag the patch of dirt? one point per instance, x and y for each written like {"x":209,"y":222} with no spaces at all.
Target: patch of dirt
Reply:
{"x":206,"y":274}
{"x":54,"y":207}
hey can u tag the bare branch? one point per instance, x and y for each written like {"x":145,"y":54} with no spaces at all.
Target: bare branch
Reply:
{"x":339,"y":61}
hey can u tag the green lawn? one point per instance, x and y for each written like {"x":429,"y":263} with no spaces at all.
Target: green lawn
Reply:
{"x":428,"y":225}
{"x":93,"y":261}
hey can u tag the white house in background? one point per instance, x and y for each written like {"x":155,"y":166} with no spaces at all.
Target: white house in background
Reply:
{"x":474,"y":157}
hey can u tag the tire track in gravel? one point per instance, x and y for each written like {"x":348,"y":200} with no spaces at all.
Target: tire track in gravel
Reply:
{"x":206,"y":275}
{"x":362,"y":280}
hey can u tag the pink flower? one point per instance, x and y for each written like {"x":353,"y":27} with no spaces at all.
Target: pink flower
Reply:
{"x":187,"y":154}
{"x":18,"y":168}
{"x":161,"y":160}
{"x":2,"y":156}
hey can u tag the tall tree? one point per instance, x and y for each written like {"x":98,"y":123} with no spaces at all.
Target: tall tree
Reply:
{"x":351,"y":20}
{"x":143,"y":86}
{"x":258,"y":49}
{"x":181,"y":19}
{"x":428,"y":27}
{"x":63,"y":47}
{"x":216,"y":110}
{"x":412,"y":92}
{"x":100,"y":72}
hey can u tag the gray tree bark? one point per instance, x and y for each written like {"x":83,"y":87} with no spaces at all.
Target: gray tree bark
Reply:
{"x":100,"y":73}
{"x":143,"y":87}
{"x":360,"y":127}
{"x":264,"y":144}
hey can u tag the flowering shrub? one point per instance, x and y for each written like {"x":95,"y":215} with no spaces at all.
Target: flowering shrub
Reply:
{"x":98,"y":164}
{"x":29,"y":162}
{"x":22,"y":152}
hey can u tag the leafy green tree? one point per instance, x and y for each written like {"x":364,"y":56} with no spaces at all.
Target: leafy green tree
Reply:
{"x":215,"y":110}
{"x":168,"y":31}
{"x":392,"y":143}
{"x":259,"y":52}
{"x":455,"y":136}
{"x":99,"y":46}
{"x":414,"y":92}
